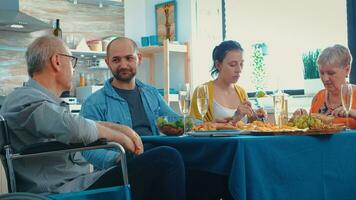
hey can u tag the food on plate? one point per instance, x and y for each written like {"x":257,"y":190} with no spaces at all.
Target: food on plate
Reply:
{"x":324,"y":118}
{"x":254,"y":126}
{"x":264,"y":127}
{"x":225,"y":126}
{"x":316,"y":121}
{"x":304,"y":124}
{"x":171,"y":125}
{"x":213,"y":126}
{"x":305,"y":121}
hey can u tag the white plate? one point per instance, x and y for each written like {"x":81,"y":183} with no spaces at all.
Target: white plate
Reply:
{"x":217,"y":133}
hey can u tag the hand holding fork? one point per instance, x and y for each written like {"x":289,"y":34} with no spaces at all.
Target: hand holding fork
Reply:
{"x":246,"y":109}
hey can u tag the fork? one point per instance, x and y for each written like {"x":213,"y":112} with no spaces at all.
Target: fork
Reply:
{"x":255,"y":116}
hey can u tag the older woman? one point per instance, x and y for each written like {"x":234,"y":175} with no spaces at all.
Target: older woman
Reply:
{"x":334,"y":67}
{"x":225,"y":98}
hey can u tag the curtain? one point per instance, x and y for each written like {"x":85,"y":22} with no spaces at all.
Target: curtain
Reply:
{"x":351,"y":32}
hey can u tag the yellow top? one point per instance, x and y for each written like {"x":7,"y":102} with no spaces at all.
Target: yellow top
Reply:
{"x":194,"y":112}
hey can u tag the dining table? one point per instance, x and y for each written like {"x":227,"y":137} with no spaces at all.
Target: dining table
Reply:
{"x":274,"y":167}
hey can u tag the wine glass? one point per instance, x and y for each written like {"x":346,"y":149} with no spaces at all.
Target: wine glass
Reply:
{"x":202,"y":100}
{"x":346,"y":100}
{"x":184,"y":103}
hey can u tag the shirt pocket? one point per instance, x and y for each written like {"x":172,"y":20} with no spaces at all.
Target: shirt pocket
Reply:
{"x":154,"y":106}
{"x":116,"y":117}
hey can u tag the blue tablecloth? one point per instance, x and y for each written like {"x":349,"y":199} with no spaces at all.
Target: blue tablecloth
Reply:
{"x":275,"y":167}
{"x":111,"y":193}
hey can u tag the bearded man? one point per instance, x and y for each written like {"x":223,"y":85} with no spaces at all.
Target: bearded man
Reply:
{"x":127,"y":101}
{"x":124,"y":99}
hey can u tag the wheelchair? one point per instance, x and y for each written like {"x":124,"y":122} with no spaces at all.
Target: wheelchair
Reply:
{"x":7,"y":155}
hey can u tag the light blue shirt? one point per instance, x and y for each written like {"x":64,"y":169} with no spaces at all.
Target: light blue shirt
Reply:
{"x":106,"y":105}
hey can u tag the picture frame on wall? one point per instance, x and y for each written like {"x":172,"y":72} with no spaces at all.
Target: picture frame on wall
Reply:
{"x":166,"y":21}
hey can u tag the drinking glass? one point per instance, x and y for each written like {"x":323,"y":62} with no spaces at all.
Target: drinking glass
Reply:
{"x":278,"y":102}
{"x":202,"y":100}
{"x":184,"y":103}
{"x":346,"y":100}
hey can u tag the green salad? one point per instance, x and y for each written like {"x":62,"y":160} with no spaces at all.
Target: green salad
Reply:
{"x":162,"y":121}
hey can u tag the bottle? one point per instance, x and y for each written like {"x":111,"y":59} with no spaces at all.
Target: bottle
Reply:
{"x":57,"y":31}
{"x":82,"y":80}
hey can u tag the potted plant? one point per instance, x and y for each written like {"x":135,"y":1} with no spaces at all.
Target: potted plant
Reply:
{"x":259,"y":67}
{"x":312,"y":82}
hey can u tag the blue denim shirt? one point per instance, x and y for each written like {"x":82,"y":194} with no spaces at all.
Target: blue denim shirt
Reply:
{"x":107,"y":105}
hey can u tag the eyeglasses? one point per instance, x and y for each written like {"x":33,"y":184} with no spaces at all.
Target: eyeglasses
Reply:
{"x":74,"y":59}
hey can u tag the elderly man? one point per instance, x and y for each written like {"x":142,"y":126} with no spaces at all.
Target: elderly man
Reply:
{"x":35,"y":113}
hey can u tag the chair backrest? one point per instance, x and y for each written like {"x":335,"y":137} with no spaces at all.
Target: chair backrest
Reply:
{"x":5,"y":151}
{"x":4,"y":134}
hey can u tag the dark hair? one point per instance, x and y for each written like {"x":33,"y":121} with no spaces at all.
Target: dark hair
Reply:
{"x":220,"y":52}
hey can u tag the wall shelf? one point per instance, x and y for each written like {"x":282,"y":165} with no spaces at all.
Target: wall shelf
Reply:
{"x":88,"y":54}
{"x":98,"y":68}
{"x":166,"y":49}
{"x":81,"y":54}
{"x":157,"y":49}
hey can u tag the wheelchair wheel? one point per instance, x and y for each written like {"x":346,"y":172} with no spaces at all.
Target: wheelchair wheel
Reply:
{"x":22,"y":196}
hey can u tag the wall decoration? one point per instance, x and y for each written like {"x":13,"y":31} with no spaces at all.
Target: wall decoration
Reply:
{"x":166,"y":21}
{"x":259,"y":66}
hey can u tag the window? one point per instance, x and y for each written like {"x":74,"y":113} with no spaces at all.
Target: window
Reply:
{"x":289,"y":28}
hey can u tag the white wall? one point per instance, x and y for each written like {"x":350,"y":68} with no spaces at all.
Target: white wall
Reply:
{"x":207,"y":33}
{"x":290,"y":28}
{"x":135,"y":15}
{"x":140,"y":21}
{"x":199,"y":23}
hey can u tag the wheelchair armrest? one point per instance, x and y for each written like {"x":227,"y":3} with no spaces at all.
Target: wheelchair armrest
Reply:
{"x":46,"y":148}
{"x":57,"y":146}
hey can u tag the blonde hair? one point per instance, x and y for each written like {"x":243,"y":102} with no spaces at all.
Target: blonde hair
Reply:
{"x":336,"y":54}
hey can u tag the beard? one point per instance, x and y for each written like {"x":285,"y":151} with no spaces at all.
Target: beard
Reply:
{"x":120,"y":76}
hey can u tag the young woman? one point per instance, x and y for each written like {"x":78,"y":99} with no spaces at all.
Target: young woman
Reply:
{"x":226,"y":100}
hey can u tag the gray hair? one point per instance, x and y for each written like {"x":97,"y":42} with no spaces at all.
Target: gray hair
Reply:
{"x":336,"y":54}
{"x":39,"y":52}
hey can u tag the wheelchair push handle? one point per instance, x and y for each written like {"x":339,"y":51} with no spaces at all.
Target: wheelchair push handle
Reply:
{"x":3,"y":131}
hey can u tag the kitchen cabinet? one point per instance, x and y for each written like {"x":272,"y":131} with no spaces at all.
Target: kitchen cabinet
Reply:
{"x":93,"y":58}
{"x":92,"y":66}
{"x":165,"y":50}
